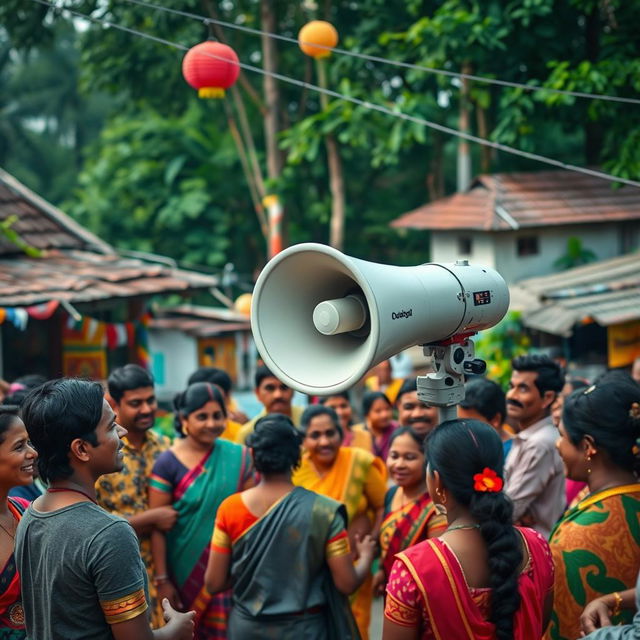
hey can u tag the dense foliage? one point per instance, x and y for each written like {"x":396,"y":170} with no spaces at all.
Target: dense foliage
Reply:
{"x":164,"y":174}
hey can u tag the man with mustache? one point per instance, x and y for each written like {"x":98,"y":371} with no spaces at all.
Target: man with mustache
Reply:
{"x":414,"y":413}
{"x":275,"y":397}
{"x":125,"y":493}
{"x":534,"y":474}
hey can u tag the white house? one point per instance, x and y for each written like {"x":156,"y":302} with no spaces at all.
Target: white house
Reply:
{"x":520,"y":223}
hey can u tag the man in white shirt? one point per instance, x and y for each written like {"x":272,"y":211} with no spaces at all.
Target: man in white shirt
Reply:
{"x":534,"y":473}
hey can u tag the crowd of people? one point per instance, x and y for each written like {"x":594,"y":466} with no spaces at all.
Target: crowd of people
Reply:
{"x":520,"y":519}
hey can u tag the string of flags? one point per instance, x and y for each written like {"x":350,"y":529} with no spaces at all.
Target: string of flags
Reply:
{"x":109,"y":334}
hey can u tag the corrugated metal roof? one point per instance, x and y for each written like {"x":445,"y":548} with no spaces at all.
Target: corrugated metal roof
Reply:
{"x":75,"y":276}
{"x":506,"y":201}
{"x":607,"y":292}
{"x":198,"y":328}
{"x":201,"y":322}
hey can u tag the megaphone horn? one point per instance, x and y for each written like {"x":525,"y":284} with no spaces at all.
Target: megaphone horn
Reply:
{"x":321,"y":319}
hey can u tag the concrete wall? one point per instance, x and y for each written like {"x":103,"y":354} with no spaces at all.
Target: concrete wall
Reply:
{"x":499,"y":249}
{"x":174,"y":357}
{"x":444,"y":247}
{"x":602,"y":239}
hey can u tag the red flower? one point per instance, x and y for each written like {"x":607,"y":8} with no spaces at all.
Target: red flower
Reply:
{"x":488,"y":480}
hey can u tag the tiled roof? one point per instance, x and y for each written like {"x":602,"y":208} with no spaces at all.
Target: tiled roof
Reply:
{"x":75,"y":266}
{"x":39,"y":223}
{"x":507,"y":201}
{"x":607,"y":292}
{"x":82,"y":276}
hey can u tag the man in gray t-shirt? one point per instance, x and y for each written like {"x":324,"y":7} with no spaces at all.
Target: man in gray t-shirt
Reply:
{"x":81,"y":571}
{"x":87,"y":558}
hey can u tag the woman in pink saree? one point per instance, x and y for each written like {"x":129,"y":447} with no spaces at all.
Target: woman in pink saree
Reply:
{"x":483,"y":578}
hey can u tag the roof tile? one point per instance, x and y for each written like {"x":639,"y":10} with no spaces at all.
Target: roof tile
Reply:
{"x":530,"y":199}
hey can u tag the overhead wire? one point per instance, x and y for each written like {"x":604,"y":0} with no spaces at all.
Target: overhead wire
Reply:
{"x":363,"y":103}
{"x":389,"y":61}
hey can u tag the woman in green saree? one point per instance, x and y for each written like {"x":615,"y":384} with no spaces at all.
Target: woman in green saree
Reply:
{"x":195,"y":475}
{"x":285,"y":550}
{"x":596,"y":545}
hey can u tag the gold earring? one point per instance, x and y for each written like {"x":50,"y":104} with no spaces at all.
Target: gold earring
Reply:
{"x":441,"y":507}
{"x":589,"y":463}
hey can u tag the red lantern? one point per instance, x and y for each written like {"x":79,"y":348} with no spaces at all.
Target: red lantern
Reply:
{"x":210,"y":67}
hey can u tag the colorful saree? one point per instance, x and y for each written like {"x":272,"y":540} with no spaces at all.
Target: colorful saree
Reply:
{"x":404,"y":527}
{"x":427,"y":590}
{"x":282,"y":586}
{"x":11,"y":611}
{"x":222,"y":472}
{"x":358,"y":480}
{"x":596,"y":550}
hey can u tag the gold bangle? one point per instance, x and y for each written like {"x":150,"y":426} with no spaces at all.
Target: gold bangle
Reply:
{"x":616,"y":607}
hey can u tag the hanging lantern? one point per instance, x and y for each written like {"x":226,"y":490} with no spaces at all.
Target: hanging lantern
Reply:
{"x":210,"y":67}
{"x":317,"y":32}
{"x":243,"y":304}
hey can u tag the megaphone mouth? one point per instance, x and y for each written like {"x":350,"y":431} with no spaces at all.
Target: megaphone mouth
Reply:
{"x":295,"y":350}
{"x":321,"y":319}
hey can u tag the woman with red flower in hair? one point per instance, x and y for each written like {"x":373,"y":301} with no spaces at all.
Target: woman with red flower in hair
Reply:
{"x":483,"y":578}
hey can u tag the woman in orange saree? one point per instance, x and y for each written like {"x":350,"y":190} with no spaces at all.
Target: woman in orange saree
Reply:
{"x":483,"y":579}
{"x":347,"y":474}
{"x":596,"y":545}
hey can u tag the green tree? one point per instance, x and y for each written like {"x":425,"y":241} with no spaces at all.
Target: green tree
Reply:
{"x":45,"y":121}
{"x":389,"y":165}
{"x":168,"y":185}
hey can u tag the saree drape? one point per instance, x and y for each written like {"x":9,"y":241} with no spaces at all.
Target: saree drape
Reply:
{"x":282,"y":587}
{"x":358,"y":480}
{"x":11,"y":611}
{"x":449,"y":607}
{"x":596,"y":550}
{"x":404,"y":527}
{"x":221,"y":472}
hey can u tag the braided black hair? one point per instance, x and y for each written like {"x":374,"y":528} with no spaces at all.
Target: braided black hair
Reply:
{"x":458,"y":450}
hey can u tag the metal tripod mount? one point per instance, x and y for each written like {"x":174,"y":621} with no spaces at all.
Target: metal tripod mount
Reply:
{"x":449,"y":360}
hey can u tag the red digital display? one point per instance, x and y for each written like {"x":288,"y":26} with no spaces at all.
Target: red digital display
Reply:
{"x":481,"y":297}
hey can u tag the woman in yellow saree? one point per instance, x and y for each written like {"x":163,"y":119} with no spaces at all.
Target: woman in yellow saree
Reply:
{"x":596,"y":545}
{"x":350,"y":475}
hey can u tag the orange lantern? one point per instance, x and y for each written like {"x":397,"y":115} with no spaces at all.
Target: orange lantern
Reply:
{"x":317,"y":32}
{"x":211,"y":67}
{"x":243,"y":304}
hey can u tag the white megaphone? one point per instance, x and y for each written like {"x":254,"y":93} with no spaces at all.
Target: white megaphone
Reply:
{"x":321,"y":319}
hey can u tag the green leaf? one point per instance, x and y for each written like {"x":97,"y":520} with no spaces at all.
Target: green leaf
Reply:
{"x":173,"y":169}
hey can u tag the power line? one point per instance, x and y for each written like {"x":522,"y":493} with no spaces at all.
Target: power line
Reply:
{"x":396,"y":63}
{"x":363,"y":103}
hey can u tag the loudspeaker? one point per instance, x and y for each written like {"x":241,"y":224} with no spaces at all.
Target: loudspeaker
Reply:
{"x":321,"y":319}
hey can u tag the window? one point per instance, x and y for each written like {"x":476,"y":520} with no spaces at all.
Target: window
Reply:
{"x":465,"y":246}
{"x":527,"y":246}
